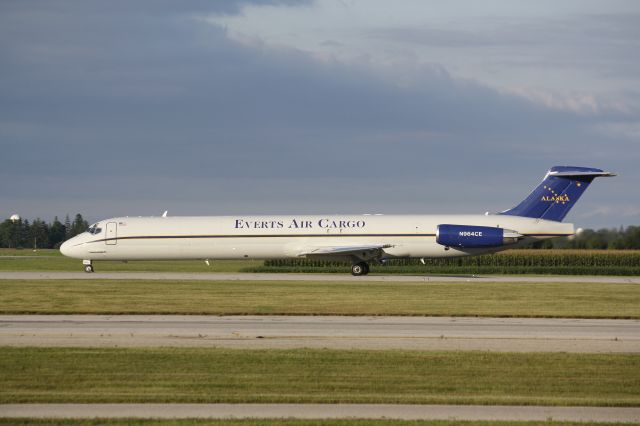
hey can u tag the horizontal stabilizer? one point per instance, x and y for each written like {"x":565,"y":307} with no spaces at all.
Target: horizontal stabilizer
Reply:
{"x":581,"y":174}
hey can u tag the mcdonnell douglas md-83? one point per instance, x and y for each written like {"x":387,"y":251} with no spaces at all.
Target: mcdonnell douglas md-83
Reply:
{"x":359,"y":239}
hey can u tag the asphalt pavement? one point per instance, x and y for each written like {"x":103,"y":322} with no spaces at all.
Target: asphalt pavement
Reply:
{"x":326,"y":411}
{"x":338,"y":332}
{"x":221,"y":276}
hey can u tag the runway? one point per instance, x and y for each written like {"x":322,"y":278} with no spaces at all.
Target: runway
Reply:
{"x":325,"y":411}
{"x":261,"y":332}
{"x":215,"y":276}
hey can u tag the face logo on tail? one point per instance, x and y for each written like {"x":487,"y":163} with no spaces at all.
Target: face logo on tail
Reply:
{"x":554,"y":197}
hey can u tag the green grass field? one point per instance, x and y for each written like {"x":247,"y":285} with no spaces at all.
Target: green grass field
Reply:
{"x":571,"y":300}
{"x":316,"y":376}
{"x":52,"y":260}
{"x":557,"y":262}
{"x":273,"y":422}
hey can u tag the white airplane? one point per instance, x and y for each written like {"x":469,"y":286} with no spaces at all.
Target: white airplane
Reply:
{"x":359,"y":239}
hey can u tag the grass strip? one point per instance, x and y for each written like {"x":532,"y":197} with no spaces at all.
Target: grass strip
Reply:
{"x":569,"y":300}
{"x":316,"y":376}
{"x":52,"y":260}
{"x":556,"y":262}
{"x":274,"y":422}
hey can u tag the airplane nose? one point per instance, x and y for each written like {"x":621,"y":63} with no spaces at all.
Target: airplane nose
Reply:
{"x":71,"y":248}
{"x":65,"y":248}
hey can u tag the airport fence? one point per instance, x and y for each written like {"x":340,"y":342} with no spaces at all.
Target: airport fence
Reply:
{"x":556,"y":262}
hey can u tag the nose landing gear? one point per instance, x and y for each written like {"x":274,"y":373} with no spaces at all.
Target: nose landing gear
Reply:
{"x":360,"y":268}
{"x":88,"y":266}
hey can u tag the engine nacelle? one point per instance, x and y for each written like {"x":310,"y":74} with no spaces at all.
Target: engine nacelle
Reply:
{"x":469,"y":236}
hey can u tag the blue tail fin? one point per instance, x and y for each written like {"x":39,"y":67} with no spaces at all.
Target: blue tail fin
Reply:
{"x":557,"y":193}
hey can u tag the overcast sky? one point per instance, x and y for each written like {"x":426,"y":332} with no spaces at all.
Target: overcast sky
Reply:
{"x":234,"y":107}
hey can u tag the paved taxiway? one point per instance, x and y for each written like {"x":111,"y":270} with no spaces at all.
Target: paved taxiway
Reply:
{"x":259,"y":332}
{"x":216,"y":276}
{"x":326,"y":411}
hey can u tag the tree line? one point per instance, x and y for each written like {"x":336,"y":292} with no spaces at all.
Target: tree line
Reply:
{"x":601,"y":239}
{"x":40,"y":234}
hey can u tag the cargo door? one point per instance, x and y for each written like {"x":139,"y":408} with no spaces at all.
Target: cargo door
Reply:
{"x":111,"y":237}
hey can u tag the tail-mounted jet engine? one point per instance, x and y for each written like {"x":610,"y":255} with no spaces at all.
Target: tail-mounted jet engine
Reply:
{"x":468,"y":236}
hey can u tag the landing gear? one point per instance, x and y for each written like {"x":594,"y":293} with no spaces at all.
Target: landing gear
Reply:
{"x":360,"y":268}
{"x":88,"y":266}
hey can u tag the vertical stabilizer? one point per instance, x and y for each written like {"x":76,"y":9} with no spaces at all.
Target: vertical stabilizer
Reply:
{"x":557,"y":193}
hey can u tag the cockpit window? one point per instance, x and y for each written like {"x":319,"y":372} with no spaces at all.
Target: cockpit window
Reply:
{"x":94,"y":230}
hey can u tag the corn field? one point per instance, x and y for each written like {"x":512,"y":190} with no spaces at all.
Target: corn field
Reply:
{"x":557,"y":262}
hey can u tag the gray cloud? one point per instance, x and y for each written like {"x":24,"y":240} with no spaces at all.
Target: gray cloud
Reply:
{"x":604,"y":43}
{"x":109,"y":112}
{"x":604,"y":29}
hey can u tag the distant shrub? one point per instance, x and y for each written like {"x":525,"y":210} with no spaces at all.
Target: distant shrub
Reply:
{"x":560,"y":262}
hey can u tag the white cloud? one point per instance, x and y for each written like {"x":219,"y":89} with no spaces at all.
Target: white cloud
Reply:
{"x":574,"y":102}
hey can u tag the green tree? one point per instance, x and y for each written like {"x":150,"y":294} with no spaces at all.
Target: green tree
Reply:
{"x":78,"y":226}
{"x":7,"y":234}
{"x":57,"y":233}
{"x":22,"y":233}
{"x":67,"y":227}
{"x":38,"y":234}
{"x":629,"y":239}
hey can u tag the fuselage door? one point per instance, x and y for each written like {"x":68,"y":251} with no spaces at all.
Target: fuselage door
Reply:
{"x":111,"y":237}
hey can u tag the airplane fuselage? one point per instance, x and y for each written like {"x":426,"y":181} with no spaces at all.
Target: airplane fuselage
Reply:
{"x":274,"y":237}
{"x":360,"y":239}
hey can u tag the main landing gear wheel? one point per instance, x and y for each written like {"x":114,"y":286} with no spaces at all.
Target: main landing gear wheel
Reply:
{"x":360,"y":268}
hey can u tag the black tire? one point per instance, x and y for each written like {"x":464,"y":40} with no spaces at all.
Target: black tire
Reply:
{"x":88,"y":268}
{"x":360,"y":268}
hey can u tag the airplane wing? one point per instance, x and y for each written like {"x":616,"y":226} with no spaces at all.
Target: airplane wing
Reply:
{"x":366,"y":251}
